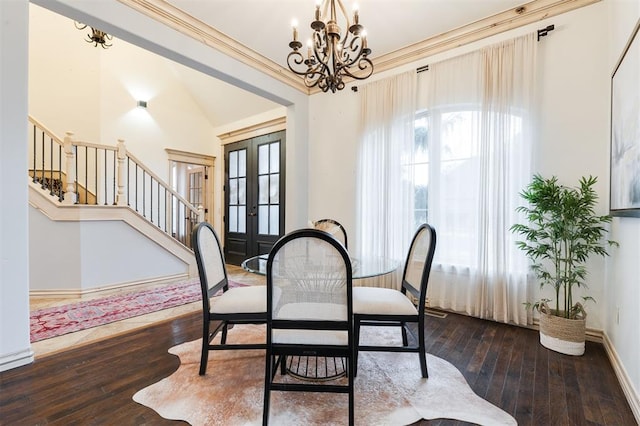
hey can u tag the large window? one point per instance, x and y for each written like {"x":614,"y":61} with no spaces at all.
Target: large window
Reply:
{"x":447,"y":175}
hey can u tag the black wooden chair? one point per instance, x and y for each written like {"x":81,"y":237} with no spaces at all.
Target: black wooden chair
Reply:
{"x":334,"y":228}
{"x":373,"y":306}
{"x":240,"y":305}
{"x":309,"y":300}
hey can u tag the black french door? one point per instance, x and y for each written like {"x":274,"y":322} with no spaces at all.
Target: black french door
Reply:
{"x":253,"y":196}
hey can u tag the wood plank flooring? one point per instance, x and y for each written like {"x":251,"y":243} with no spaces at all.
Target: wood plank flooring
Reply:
{"x":94,"y":384}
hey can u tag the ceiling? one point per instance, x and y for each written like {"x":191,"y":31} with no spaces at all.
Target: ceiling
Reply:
{"x":265,"y":25}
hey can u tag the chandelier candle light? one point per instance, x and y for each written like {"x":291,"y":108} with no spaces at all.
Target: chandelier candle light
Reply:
{"x":331,"y":57}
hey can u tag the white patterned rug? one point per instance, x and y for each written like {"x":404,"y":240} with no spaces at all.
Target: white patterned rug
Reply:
{"x":388,"y":390}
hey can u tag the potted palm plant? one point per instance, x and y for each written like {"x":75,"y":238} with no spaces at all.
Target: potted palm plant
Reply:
{"x":563,"y":231}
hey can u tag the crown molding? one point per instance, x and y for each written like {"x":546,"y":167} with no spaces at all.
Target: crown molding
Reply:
{"x":528,"y":13}
{"x":533,"y":11}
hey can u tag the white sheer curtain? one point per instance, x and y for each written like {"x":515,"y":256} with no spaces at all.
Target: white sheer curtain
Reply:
{"x":475,"y":113}
{"x":479,"y":109}
{"x":385,"y":176}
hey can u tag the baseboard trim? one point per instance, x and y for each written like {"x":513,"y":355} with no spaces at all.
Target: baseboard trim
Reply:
{"x":50,"y":293}
{"x":625,"y":382}
{"x":16,"y":359}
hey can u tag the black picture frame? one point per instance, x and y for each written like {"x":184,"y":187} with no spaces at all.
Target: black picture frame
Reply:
{"x":624,"y":191}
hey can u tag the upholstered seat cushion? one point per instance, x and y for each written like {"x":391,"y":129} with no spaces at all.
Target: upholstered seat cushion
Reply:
{"x":381,"y":301}
{"x":312,"y":311}
{"x":240,"y":300}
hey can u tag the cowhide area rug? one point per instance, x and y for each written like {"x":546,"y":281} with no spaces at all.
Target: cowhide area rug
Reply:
{"x":389,"y":389}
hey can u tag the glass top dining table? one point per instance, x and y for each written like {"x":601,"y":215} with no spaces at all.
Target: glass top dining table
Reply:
{"x":361,"y":267}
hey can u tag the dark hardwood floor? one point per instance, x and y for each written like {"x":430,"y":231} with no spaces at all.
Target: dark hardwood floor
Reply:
{"x":94,"y":384}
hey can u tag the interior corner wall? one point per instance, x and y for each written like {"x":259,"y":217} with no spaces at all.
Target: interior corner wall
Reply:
{"x":622,"y":290}
{"x":15,"y":348}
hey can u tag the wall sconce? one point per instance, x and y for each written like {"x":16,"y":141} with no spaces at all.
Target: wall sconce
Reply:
{"x":142,"y":104}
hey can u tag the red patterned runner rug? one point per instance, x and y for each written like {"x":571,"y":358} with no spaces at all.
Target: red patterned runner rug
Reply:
{"x":58,"y":320}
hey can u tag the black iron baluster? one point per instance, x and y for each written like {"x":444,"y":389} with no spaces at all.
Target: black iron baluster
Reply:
{"x":144,"y":193}
{"x":42,"y":171}
{"x":136,"y":185}
{"x":50,"y":166}
{"x":35,"y":151}
{"x":60,"y":191}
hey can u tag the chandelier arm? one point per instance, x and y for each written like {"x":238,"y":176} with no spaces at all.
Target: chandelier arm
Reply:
{"x":346,"y":18}
{"x":364,"y":64}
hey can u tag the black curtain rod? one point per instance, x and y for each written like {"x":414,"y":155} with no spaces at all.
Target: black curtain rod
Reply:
{"x":541,"y":33}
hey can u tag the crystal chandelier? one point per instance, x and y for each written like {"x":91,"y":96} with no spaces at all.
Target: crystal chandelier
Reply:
{"x":331,"y":57}
{"x":97,"y":37}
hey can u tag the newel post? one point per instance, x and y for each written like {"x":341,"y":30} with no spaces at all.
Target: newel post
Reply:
{"x":121,"y":198}
{"x":70,"y":165}
{"x":200,"y":213}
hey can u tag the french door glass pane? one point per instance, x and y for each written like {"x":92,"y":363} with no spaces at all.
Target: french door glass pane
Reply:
{"x":242,"y":223}
{"x":274,"y":220}
{"x":233,"y":164}
{"x":263,"y":220}
{"x":275,"y":158}
{"x":233,"y":219}
{"x":263,"y":159}
{"x":274,"y":190}
{"x":242,"y":163}
{"x":263,"y":189}
{"x":242,"y":191}
{"x":233,"y":191}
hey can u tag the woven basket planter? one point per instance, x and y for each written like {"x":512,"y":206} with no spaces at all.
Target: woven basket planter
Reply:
{"x":560,"y":334}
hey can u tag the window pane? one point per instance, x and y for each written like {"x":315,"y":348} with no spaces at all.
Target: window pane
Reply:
{"x":263,"y":159}
{"x":233,"y":219}
{"x":274,"y":189}
{"x":242,"y":163}
{"x":242,"y":219}
{"x":233,"y":164}
{"x":275,"y":157}
{"x":274,"y":227}
{"x":263,"y":220}
{"x":233,"y":191}
{"x":263,"y":189}
{"x":242,"y":191}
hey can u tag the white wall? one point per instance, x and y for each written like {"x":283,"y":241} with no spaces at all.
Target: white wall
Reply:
{"x":94,"y":254}
{"x":622,"y":292}
{"x":15,"y":349}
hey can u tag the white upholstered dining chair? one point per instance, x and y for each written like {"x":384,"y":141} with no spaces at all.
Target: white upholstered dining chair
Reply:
{"x":374,"y":306}
{"x":239,"y":305}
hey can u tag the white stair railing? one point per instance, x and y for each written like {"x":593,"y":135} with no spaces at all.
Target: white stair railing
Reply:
{"x":85,"y":173}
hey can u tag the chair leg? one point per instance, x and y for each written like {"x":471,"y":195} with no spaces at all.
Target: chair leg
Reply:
{"x":351,"y":393}
{"x":223,"y":338}
{"x":422,"y":350}
{"x":204,"y":356}
{"x":267,"y":388}
{"x":356,"y":344}
{"x":403,"y":327}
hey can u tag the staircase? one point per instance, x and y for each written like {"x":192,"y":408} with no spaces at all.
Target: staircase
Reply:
{"x":73,"y":180}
